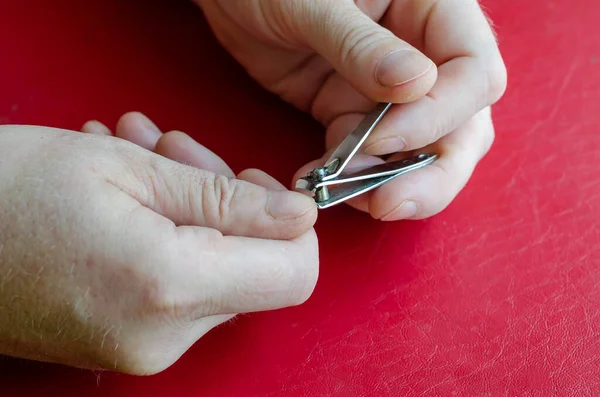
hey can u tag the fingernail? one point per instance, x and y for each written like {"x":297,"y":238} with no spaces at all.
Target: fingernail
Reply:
{"x":401,"y":66}
{"x":386,"y":146}
{"x":406,"y":210}
{"x":286,"y":205}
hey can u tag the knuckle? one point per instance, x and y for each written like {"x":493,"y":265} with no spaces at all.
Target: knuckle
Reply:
{"x":160,"y":319}
{"x":354,"y":43}
{"x":158,"y":291}
{"x":164,"y":306}
{"x":154,"y":190}
{"x":172,"y":295}
{"x":217,"y":196}
{"x":144,"y":351}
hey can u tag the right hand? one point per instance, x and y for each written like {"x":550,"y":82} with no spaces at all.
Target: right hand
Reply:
{"x":115,"y":257}
{"x":437,"y":62}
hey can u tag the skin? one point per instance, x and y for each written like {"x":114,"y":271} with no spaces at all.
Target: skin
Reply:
{"x":115,"y":257}
{"x":328,"y":58}
{"x":120,"y":249}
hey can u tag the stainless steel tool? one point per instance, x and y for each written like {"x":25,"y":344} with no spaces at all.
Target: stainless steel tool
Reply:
{"x":329,"y":185}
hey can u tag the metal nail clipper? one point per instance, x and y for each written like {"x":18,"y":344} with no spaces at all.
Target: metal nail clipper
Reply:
{"x":329,"y":185}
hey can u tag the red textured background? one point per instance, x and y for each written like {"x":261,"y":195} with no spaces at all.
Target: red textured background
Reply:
{"x":498,"y":295}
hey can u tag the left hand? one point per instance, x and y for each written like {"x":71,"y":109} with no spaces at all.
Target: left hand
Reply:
{"x":437,"y":61}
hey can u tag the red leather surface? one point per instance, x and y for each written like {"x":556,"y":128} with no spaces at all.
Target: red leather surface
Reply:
{"x":498,"y":295}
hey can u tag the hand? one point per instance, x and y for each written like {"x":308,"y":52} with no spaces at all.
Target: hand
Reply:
{"x":115,"y":257}
{"x":437,"y":61}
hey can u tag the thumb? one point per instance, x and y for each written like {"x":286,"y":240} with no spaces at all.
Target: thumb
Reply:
{"x":375,"y":61}
{"x":189,"y":196}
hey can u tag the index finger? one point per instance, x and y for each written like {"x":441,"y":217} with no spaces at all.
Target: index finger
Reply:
{"x":457,"y":36}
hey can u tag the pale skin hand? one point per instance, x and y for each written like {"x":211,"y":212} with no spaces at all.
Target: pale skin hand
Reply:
{"x":115,"y":257}
{"x":328,"y":58}
{"x":112,"y":256}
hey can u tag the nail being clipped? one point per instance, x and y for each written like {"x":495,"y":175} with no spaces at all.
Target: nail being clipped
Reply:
{"x":329,"y":185}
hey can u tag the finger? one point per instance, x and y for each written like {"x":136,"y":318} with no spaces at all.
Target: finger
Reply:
{"x":471,"y":76}
{"x":227,"y":275}
{"x":139,"y":129}
{"x":190,"y":196}
{"x":381,"y":66}
{"x":260,"y":178}
{"x":175,"y":145}
{"x":180,"y":147}
{"x":204,"y":274}
{"x":96,"y":128}
{"x":427,"y":191}
{"x":451,"y":102}
{"x":337,"y":97}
